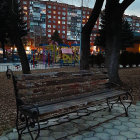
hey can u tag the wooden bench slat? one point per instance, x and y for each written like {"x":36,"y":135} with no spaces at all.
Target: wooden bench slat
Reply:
{"x":78,"y":101}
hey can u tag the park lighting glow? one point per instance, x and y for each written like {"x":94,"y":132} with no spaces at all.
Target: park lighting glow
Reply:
{"x":28,"y":48}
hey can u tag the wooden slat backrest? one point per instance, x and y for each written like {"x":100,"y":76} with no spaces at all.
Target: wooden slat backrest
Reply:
{"x":39,"y":88}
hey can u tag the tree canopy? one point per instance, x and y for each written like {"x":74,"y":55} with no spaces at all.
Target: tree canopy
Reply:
{"x":56,"y":38}
{"x":127,"y":36}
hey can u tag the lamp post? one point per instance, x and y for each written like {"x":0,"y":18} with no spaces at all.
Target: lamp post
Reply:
{"x":81,"y":27}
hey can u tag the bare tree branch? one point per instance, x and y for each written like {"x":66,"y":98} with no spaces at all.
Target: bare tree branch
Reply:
{"x":126,"y":4}
{"x":94,"y":16}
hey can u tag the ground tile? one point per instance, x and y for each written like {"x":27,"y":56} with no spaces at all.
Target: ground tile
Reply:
{"x":44,"y":133}
{"x":77,"y":137}
{"x":138,"y":104}
{"x":118,"y":138}
{"x":115,"y":122}
{"x":87,"y":134}
{"x":109,"y":117}
{"x":80,"y":121}
{"x":121,"y":127}
{"x":3,"y":138}
{"x":136,"y":130}
{"x":57,"y":128}
{"x":135,"y":120}
{"x":138,"y":125}
{"x":58,"y":135}
{"x":99,"y":129}
{"x":135,"y":113}
{"x":46,"y":138}
{"x":107,"y":125}
{"x":128,"y":134}
{"x":12,"y":135}
{"x":100,"y":119}
{"x":91,"y":138}
{"x":112,"y":131}
{"x":103,"y":136}
{"x":123,"y":119}
{"x":129,"y":124}
{"x":91,"y":123}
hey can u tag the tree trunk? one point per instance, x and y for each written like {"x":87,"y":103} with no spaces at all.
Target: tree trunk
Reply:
{"x":113,"y":40}
{"x":85,"y":35}
{"x":85,"y":51}
{"x":22,"y":55}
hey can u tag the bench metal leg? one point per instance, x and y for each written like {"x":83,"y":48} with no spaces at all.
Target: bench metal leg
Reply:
{"x":24,"y":122}
{"x":126,"y":97}
{"x":20,"y":124}
{"x":110,"y":103}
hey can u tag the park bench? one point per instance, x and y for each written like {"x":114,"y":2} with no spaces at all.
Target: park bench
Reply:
{"x":46,"y":95}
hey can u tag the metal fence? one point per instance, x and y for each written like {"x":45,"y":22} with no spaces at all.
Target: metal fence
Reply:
{"x":18,"y":67}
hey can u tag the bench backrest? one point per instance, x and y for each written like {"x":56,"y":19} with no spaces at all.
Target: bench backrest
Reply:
{"x":49,"y":87}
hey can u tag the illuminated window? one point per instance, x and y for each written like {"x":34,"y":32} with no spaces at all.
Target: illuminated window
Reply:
{"x":63,"y":13}
{"x":49,"y":35}
{"x":25,"y":8}
{"x":63,"y":22}
{"x":54,"y":12}
{"x":59,"y":17}
{"x":63,"y":18}
{"x":59,"y":22}
{"x":49,"y":16}
{"x":63,"y":32}
{"x":87,"y":16}
{"x":59,"y":13}
{"x":54,"y":17}
{"x":58,"y":31}
{"x":54,"y":26}
{"x":64,"y":8}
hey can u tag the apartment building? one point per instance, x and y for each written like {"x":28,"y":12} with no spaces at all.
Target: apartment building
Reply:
{"x":44,"y":17}
{"x":134,"y":21}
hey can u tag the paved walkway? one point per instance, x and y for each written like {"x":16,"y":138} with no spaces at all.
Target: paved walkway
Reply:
{"x":88,"y":125}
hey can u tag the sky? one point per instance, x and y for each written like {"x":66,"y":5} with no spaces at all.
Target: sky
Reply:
{"x":133,"y":9}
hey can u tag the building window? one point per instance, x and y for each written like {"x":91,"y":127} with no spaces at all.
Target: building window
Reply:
{"x":64,"y":8}
{"x":63,"y":13}
{"x":59,"y":13}
{"x":24,"y":2}
{"x":49,"y":26}
{"x":63,"y":36}
{"x":58,"y":26}
{"x":49,"y":21}
{"x":63,"y":18}
{"x":25,"y":8}
{"x":54,"y":26}
{"x":49,"y":16}
{"x":63,"y":27}
{"x":59,"y":17}
{"x":87,"y":17}
{"x":54,"y":12}
{"x":49,"y":31}
{"x":49,"y":6}
{"x":54,"y":21}
{"x":59,"y":22}
{"x":63,"y":22}
{"x":63,"y":32}
{"x":49,"y":11}
{"x":58,"y":31}
{"x":49,"y":35}
{"x":54,"y":7}
{"x":54,"y":17}
{"x":25,"y":18}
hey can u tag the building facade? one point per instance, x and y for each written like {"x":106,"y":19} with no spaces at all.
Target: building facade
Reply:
{"x":134,"y":21}
{"x":44,"y":17}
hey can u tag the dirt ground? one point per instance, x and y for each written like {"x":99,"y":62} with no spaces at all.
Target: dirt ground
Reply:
{"x":130,"y":76}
